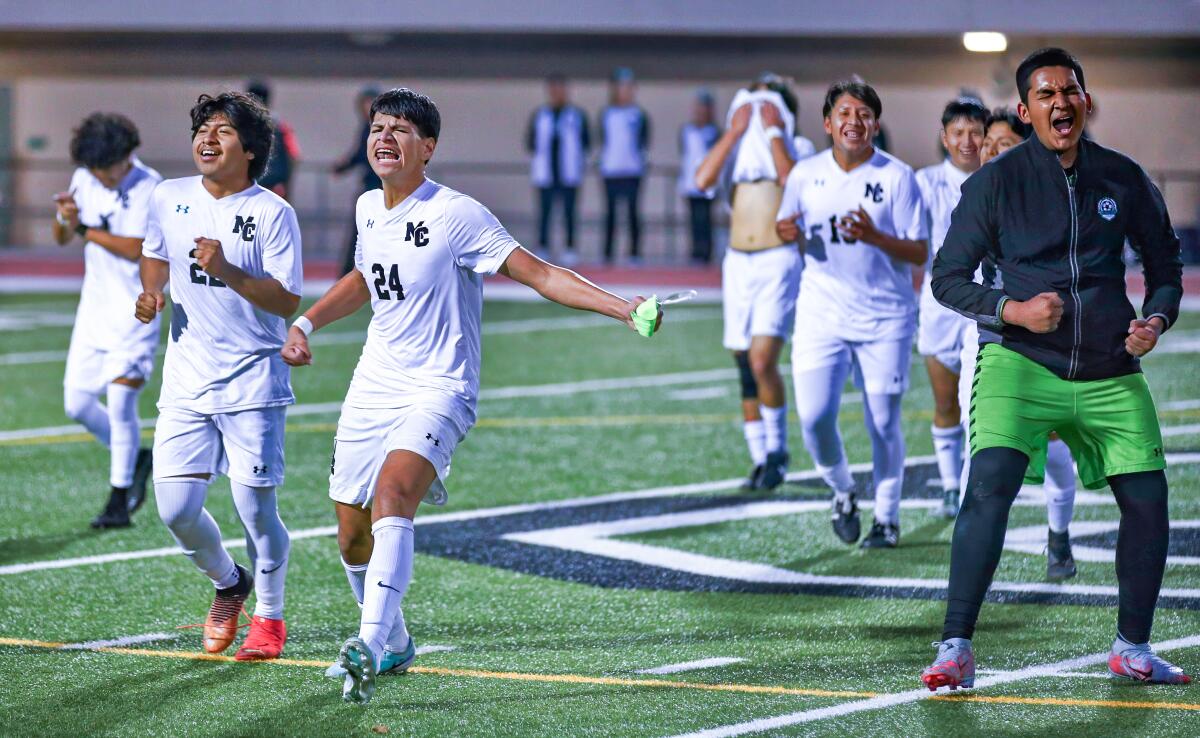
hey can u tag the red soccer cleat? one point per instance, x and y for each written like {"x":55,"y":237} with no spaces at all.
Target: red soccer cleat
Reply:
{"x":264,"y":641}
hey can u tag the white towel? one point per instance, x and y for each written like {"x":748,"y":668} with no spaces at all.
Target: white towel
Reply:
{"x":753,"y":159}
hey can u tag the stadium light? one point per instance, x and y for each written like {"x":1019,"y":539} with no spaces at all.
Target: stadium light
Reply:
{"x":985,"y":41}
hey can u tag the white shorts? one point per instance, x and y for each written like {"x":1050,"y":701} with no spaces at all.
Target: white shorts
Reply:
{"x":758,"y":291}
{"x":880,"y":367}
{"x":365,"y":436}
{"x":940,"y":331}
{"x":246,"y":445}
{"x":91,"y":369}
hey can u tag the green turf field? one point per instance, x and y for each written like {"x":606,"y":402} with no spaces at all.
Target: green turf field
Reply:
{"x":548,"y":605}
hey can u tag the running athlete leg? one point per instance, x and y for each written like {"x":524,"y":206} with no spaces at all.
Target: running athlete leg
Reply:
{"x":818,"y":398}
{"x":882,"y":417}
{"x":947,"y":429}
{"x":267,"y":542}
{"x":1141,"y":550}
{"x":772,"y":399}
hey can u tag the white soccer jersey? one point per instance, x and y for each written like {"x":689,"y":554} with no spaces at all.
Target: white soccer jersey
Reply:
{"x":854,"y":289}
{"x":223,"y":353}
{"x":424,"y":262}
{"x":941,"y":188}
{"x":111,"y":284}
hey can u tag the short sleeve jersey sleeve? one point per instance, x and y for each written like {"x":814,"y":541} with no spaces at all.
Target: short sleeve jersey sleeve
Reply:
{"x":476,"y":238}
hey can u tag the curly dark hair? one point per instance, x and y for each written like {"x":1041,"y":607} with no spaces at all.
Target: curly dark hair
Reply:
{"x":401,"y":102}
{"x":249,"y":118}
{"x":103,"y":139}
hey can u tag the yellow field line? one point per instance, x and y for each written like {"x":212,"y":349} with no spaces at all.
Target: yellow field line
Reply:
{"x":622,"y":682}
{"x":543,"y":422}
{"x":476,"y":673}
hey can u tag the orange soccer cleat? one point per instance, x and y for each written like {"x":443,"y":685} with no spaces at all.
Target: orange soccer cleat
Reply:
{"x":221,"y":625}
{"x":264,"y":641}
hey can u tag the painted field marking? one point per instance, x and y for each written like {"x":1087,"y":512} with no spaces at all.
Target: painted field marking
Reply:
{"x":120,"y":642}
{"x":700,"y":393}
{"x":916,"y":695}
{"x":691,"y":665}
{"x":422,"y":650}
{"x":1181,"y":430}
{"x":1060,"y":675}
{"x":862,"y":697}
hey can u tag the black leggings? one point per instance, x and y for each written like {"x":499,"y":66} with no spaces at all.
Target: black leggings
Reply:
{"x":616,"y":191}
{"x":994,"y":481}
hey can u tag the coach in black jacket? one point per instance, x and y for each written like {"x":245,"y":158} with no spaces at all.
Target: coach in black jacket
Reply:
{"x":1053,"y":214}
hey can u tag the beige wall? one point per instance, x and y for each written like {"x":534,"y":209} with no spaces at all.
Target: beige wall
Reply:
{"x":483,"y":121}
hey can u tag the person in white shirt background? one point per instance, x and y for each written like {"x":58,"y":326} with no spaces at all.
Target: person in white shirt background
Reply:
{"x":940,"y":330}
{"x":423,"y":250}
{"x":760,"y":273}
{"x":231,"y":251}
{"x":857,"y":211}
{"x":111,"y":353}
{"x":558,"y":141}
{"x":696,"y":137}
{"x":624,"y":140}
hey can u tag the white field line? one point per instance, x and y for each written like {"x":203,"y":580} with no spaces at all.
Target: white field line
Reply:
{"x":1181,"y":430}
{"x":643,"y":494}
{"x":916,"y":695}
{"x":691,"y":665}
{"x":1082,"y":498}
{"x":422,"y":650}
{"x":1182,"y":405}
{"x":336,"y":338}
{"x":700,"y":393}
{"x":1059,"y":675}
{"x":120,"y":642}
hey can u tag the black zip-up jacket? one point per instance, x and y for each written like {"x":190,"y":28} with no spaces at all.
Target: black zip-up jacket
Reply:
{"x":1046,"y":236}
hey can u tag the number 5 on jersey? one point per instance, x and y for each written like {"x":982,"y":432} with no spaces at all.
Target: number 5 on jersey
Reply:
{"x":387,"y":283}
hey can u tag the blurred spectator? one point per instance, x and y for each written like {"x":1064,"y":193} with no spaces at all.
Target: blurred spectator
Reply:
{"x":285,"y":151}
{"x":558,"y":140}
{"x":624,"y":138}
{"x":696,"y":137}
{"x":356,"y":158}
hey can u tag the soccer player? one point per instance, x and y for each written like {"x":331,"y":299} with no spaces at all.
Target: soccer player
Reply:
{"x":423,"y":250}
{"x":760,"y":273}
{"x":231,"y":250}
{"x":857,"y":212}
{"x":1050,"y":465}
{"x":1054,"y":214}
{"x":940,"y":330}
{"x":111,"y":353}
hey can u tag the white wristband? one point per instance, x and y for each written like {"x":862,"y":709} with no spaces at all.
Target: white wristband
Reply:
{"x":773,"y":132}
{"x":61,"y":220}
{"x":304,"y":324}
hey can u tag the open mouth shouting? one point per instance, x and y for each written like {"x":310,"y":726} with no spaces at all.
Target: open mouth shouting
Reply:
{"x":1062,"y":123}
{"x":386,"y":152}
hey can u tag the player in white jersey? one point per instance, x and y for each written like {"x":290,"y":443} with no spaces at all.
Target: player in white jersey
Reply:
{"x":421,"y":255}
{"x":857,"y":212}
{"x":231,"y":251}
{"x":760,"y":274}
{"x":1005,"y":130}
{"x":111,"y":353}
{"x":940,"y":329}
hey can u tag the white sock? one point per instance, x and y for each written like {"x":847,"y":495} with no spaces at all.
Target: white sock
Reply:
{"x":356,"y":574}
{"x":882,"y":415}
{"x":948,"y":447}
{"x":268,"y":540}
{"x":388,"y":574}
{"x":180,"y":503}
{"x":85,"y":407}
{"x":756,"y":440}
{"x":838,"y":478}
{"x":397,"y":639}
{"x":1059,"y":486}
{"x":123,"y":433}
{"x":775,"y":421}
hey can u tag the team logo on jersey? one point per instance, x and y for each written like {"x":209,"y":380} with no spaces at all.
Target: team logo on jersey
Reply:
{"x":370,"y":223}
{"x":417,"y":233}
{"x":183,"y":209}
{"x":1107,"y":208}
{"x":875,"y":192}
{"x":245,"y":226}
{"x":436,"y":441}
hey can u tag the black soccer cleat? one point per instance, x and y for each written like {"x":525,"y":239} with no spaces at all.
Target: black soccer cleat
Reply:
{"x":882,"y":535}
{"x":752,"y":482}
{"x":846,"y":524}
{"x":1060,"y":563}
{"x":141,"y":475}
{"x":115,"y":513}
{"x":774,"y":470}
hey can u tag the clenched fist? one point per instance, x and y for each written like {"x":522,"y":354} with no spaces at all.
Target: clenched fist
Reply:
{"x":787,"y":230}
{"x":296,"y":352}
{"x":1040,"y":314}
{"x":209,"y":256}
{"x":1143,"y":336}
{"x":149,"y":304}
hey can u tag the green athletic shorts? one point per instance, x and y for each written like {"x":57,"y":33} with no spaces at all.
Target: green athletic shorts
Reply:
{"x":1110,"y":425}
